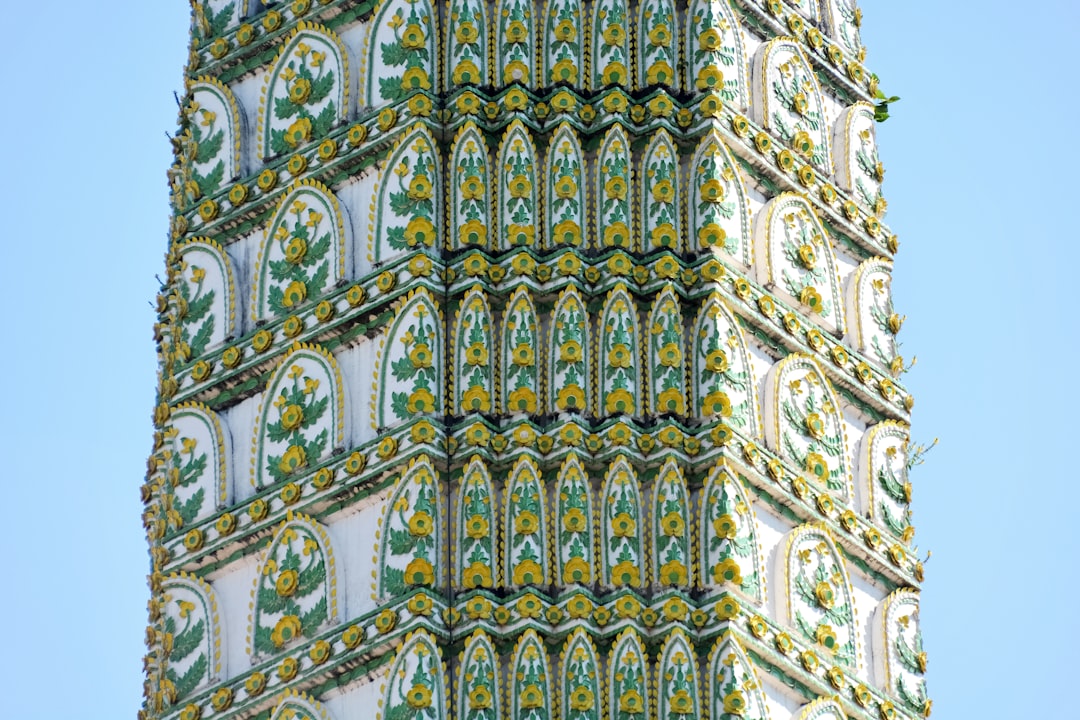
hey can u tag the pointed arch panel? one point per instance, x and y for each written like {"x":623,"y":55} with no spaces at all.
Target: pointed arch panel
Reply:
{"x":678,"y":691}
{"x":618,"y":360}
{"x":515,"y":42}
{"x":476,"y":545}
{"x":628,"y":677}
{"x":568,"y":374}
{"x":719,"y":211}
{"x":416,"y":683}
{"x":479,"y":690}
{"x":622,"y":541}
{"x":874,"y":321}
{"x":614,"y":204}
{"x":819,"y":596}
{"x":564,"y":42}
{"x":406,"y":212}
{"x":788,"y":101}
{"x":474,"y":354}
{"x":401,"y":56}
{"x":582,"y":690}
{"x":410,"y":366}
{"x":610,"y":52}
{"x":517,"y":216}
{"x":672,"y":528}
{"x":721,"y":377}
{"x":470,"y":190}
{"x":214,"y":125}
{"x":190,"y":615}
{"x":734,"y":688}
{"x":529,"y":689}
{"x":566,"y":211}
{"x":884,"y":476}
{"x":207,"y":291}
{"x":716,"y":54}
{"x":410,"y":533}
{"x":467,"y":43}
{"x":657,"y":44}
{"x":730,"y":553}
{"x":574,"y":524}
{"x":858,"y":168}
{"x":661,"y":220}
{"x":522,"y":356}
{"x":201,"y":449}
{"x":844,"y":18}
{"x":905,"y":659}
{"x":665,"y":356}
{"x":525,"y":529}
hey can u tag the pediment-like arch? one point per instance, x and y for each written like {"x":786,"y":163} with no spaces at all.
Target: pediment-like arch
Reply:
{"x":522,"y":355}
{"x":295,"y":705}
{"x":565,"y":202}
{"x":665,"y":354}
{"x":628,"y":677}
{"x":401,"y":54}
{"x":406,"y":211}
{"x":672,"y":528}
{"x":610,"y":44}
{"x":306,"y":92}
{"x":661,"y":214}
{"x":614,"y":197}
{"x":476,"y":546}
{"x":582,"y":689}
{"x":201,"y":448}
{"x":820,"y":603}
{"x":719,"y":209}
{"x":883,"y":476}
{"x":858,"y":168}
{"x":295,"y":593}
{"x":190,"y":616}
{"x":904,"y":658}
{"x":410,"y":371}
{"x":416,"y":684}
{"x":730,"y":554}
{"x":304,"y":251}
{"x":618,"y":359}
{"x":570,"y":385}
{"x":796,"y":260}
{"x":517,"y":216}
{"x":657,"y":44}
{"x":479,"y":690}
{"x":474,"y":354}
{"x":207,"y":295}
{"x":467,"y":43}
{"x":622,"y":537}
{"x":214,"y":125}
{"x":788,"y":101}
{"x":301,"y":418}
{"x":844,"y":18}
{"x":822,"y":709}
{"x":715,"y":52}
{"x":678,"y":690}
{"x":525,"y":540}
{"x":721,"y":376}
{"x":874,"y":322}
{"x":734,"y":688}
{"x":574,"y":528}
{"x":530,"y":687}
{"x":470,"y":191}
{"x":563,"y":53}
{"x":410,"y":553}
{"x":515,"y":42}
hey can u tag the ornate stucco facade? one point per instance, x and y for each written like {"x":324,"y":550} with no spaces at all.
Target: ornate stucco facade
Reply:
{"x":528,"y":360}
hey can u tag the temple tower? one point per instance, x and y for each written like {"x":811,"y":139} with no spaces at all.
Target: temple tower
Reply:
{"x":528,"y":360}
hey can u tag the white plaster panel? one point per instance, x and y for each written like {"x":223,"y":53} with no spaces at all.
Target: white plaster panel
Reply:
{"x":760,"y":364}
{"x":845,"y":266}
{"x":772,"y":536}
{"x":352,"y":532}
{"x":355,"y":198}
{"x":867,"y":596}
{"x":782,"y":701}
{"x":233,"y":585}
{"x":247,"y":92}
{"x":240,"y":419}
{"x":353,"y":38}
{"x":244,"y":253}
{"x":854,"y":429}
{"x":358,"y":700}
{"x":357,"y":364}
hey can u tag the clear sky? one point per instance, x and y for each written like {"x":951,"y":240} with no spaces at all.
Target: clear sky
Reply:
{"x":979,"y":154}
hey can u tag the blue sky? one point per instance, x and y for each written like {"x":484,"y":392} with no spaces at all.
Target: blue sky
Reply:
{"x":979,"y":153}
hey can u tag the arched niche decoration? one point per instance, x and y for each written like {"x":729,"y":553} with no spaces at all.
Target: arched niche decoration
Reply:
{"x":734,"y":688}
{"x":904,"y":657}
{"x":672,"y":546}
{"x":628,"y":676}
{"x":661,"y":218}
{"x":622,"y":535}
{"x":525,"y":543}
{"x":883,"y":473}
{"x":844,"y":19}
{"x":401,"y":56}
{"x":529,"y":690}
{"x":200,"y":449}
{"x":207,"y":294}
{"x":476,"y":545}
{"x":570,"y":349}
{"x":859,"y":170}
{"x":803,"y":422}
{"x":657,"y":44}
{"x":467,"y":43}
{"x":582,"y":690}
{"x":410,"y":369}
{"x":474,"y":354}
{"x":788,"y":101}
{"x":522,"y":356}
{"x":410,"y":548}
{"x":306,"y":92}
{"x":212,"y":18}
{"x":470,"y":190}
{"x":416,"y":684}
{"x":719,"y":211}
{"x":304,"y":251}
{"x":190,"y":614}
{"x":214,"y":125}
{"x":715,"y":52}
{"x":610,"y":47}
{"x":819,"y":603}
{"x":678,"y":690}
{"x":614,"y":200}
{"x":293,"y":705}
{"x":874,"y":320}
{"x":564,"y":43}
{"x":515,"y":42}
{"x":730,"y":554}
{"x":295,"y":593}
{"x":518,"y":213}
{"x":795,"y":259}
{"x":565,"y":208}
{"x":574,"y":528}
{"x":822,"y":709}
{"x":406,"y":211}
{"x":665,"y":354}
{"x":618,"y":359}
{"x":721,"y":378}
{"x":479,"y":690}
{"x":301,"y":418}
